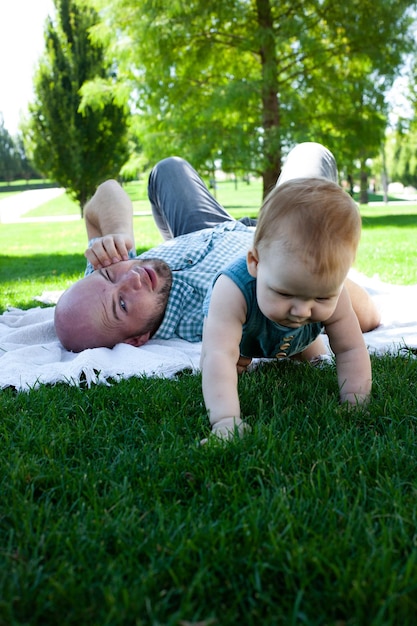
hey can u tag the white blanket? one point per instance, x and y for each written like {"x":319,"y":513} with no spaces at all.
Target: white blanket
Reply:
{"x":30,"y":353}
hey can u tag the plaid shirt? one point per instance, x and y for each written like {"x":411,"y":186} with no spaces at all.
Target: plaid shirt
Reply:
{"x":195,"y":259}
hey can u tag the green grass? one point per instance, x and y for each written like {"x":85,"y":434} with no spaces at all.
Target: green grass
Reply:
{"x":388,"y":243}
{"x":62,"y":205}
{"x":111,"y":514}
{"x":23,"y":181}
{"x":6,"y":194}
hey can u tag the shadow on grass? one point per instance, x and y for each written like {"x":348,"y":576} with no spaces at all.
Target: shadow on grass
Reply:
{"x":23,"y":278}
{"x":244,"y":211}
{"x":377,"y":197}
{"x":25,"y":305}
{"x":40,"y":266}
{"x":37,"y":266}
{"x":400,"y":221}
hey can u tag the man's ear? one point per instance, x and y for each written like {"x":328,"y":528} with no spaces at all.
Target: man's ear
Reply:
{"x":252,"y":260}
{"x":138,"y":340}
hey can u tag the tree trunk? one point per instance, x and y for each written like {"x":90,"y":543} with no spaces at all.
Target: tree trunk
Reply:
{"x":363,"y":195}
{"x":270,"y":103}
{"x":384,"y":175}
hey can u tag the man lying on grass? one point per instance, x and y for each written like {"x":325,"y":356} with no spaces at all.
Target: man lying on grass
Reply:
{"x":160,"y":293}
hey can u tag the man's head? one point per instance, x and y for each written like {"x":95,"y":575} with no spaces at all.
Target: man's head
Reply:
{"x":122,"y":303}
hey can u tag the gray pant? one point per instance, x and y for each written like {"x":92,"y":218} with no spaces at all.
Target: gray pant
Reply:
{"x":181,"y":202}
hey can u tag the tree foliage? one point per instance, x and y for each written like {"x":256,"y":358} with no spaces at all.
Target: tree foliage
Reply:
{"x":403,"y":141}
{"x":77,"y":148}
{"x":242,"y":80}
{"x":8,"y":156}
{"x":14,"y":163}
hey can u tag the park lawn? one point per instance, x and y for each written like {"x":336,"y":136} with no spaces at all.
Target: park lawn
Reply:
{"x":112,"y":514}
{"x":39,"y":256}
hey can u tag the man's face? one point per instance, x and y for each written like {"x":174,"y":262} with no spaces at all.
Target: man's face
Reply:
{"x":124,"y":302}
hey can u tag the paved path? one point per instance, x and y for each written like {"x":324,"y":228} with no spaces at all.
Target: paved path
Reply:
{"x":13,"y":207}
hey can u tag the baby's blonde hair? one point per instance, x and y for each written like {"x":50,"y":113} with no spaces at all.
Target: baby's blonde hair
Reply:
{"x":315,"y":219}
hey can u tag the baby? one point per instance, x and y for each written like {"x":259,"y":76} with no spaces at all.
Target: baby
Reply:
{"x":276,"y":301}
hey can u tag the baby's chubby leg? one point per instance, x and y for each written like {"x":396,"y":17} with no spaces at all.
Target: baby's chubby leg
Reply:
{"x":243,"y":364}
{"x":367,"y":312}
{"x":315,"y":350}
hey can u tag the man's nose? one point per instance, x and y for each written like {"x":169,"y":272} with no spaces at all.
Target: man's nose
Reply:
{"x":130,"y":280}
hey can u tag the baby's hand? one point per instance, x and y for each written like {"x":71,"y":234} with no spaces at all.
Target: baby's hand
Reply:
{"x":226,"y":428}
{"x":109,"y":249}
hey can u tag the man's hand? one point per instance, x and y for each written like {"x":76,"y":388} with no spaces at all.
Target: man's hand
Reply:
{"x":109,"y":249}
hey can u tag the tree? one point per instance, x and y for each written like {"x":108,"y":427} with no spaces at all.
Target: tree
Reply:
{"x":230,"y":79}
{"x":76,"y":148}
{"x":13,"y":159}
{"x":403,"y":140}
{"x":26,"y":169}
{"x":350,"y":120}
{"x":9,"y":163}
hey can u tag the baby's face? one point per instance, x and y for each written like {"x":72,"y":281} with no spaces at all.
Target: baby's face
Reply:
{"x":288,"y":293}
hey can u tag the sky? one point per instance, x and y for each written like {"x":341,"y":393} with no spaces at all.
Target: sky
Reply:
{"x":21,"y":44}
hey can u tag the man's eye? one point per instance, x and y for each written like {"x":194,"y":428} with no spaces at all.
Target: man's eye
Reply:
{"x":123,"y":305}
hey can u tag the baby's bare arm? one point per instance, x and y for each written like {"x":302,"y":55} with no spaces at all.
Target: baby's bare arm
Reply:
{"x":352,"y":358}
{"x":354,"y":376}
{"x":219,"y":356}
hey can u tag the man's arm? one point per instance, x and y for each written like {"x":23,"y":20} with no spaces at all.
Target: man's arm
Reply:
{"x":109,"y":217}
{"x":352,"y":358}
